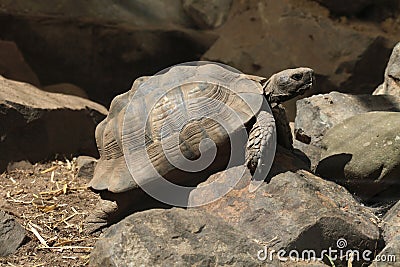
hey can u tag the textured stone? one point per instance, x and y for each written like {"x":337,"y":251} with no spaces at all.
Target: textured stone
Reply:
{"x":12,"y":234}
{"x":101,"y":45}
{"x":174,"y":237}
{"x":363,"y":154}
{"x":36,"y":125}
{"x":287,"y":33}
{"x":293,"y":211}
{"x":317,"y":114}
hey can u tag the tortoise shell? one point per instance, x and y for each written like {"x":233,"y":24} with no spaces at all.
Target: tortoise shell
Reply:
{"x":160,"y":123}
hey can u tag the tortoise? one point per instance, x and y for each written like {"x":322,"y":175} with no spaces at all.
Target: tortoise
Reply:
{"x":152,"y":111}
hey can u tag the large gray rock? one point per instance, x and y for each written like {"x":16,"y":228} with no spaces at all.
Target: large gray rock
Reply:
{"x":101,"y":45}
{"x":179,"y":237}
{"x":317,"y":114}
{"x":391,"y":84}
{"x":263,"y":37}
{"x":363,"y":154}
{"x":295,"y":210}
{"x":12,"y":234}
{"x":36,"y":125}
{"x":173,"y":237}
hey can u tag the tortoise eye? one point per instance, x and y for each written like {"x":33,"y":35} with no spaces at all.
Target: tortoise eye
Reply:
{"x":297,"y":76}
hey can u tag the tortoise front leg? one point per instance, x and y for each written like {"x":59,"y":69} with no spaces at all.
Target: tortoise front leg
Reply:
{"x":260,"y":149}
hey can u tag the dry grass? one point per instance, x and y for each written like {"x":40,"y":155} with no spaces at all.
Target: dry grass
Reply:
{"x":51,"y":204}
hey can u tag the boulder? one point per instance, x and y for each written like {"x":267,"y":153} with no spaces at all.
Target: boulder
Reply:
{"x":101,"y":45}
{"x":363,"y":154}
{"x":391,"y":84}
{"x":174,"y":237}
{"x":13,"y":65}
{"x":317,"y":114}
{"x":178,"y":237}
{"x":293,"y":211}
{"x":263,"y":37}
{"x":12,"y":234}
{"x":37,"y":125}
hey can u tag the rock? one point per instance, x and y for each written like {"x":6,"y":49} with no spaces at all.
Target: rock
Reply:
{"x":19,"y":165}
{"x":363,"y":154}
{"x":102,"y":45}
{"x":274,"y":41}
{"x":389,"y":256}
{"x":13,"y":65}
{"x":36,"y":125}
{"x":85,"y":165}
{"x":391,"y":84}
{"x":288,"y":160}
{"x":317,"y":114}
{"x":66,"y":89}
{"x":293,"y":211}
{"x":174,"y":237}
{"x":391,"y":223}
{"x":12,"y":234}
{"x":312,"y":152}
{"x":207,"y":14}
{"x":178,"y":237}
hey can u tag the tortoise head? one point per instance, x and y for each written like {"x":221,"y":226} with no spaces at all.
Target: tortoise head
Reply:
{"x":287,"y":84}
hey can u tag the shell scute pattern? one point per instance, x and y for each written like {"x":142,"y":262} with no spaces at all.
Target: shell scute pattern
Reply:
{"x":170,"y":104}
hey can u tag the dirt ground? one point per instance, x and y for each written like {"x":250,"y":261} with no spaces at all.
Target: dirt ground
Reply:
{"x":51,"y":204}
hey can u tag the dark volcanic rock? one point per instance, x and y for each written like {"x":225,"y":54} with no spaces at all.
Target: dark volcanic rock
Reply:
{"x":294,"y":211}
{"x":173,"y":237}
{"x":363,"y":154}
{"x":36,"y":125}
{"x":179,"y":237}
{"x":12,"y":234}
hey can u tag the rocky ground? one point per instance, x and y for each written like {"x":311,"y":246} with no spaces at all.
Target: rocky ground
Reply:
{"x":338,"y":181}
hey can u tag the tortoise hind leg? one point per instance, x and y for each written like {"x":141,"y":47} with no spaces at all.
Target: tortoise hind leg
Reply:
{"x":260,"y":149}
